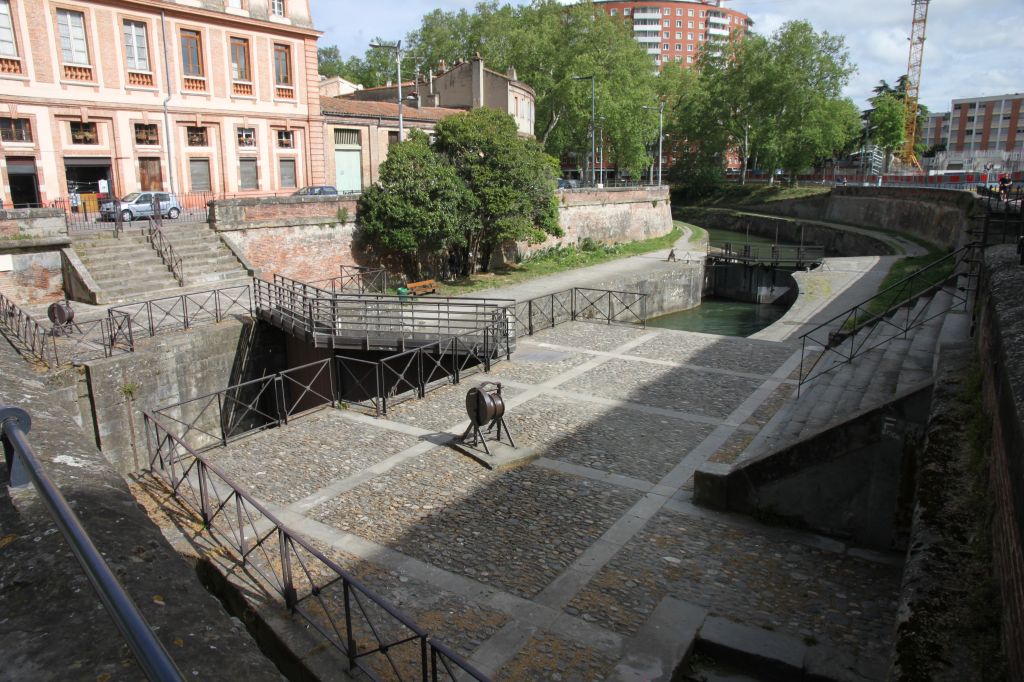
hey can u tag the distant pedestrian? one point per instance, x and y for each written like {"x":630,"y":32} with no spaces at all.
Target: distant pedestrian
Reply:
{"x":1005,"y":183}
{"x":671,"y":256}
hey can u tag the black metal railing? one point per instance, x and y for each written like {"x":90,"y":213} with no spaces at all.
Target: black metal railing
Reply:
{"x":378,"y":320}
{"x":768,"y":254}
{"x":362,"y":280}
{"x":178,"y":313}
{"x":56,"y":345}
{"x":602,"y":305}
{"x":92,"y":212}
{"x":23,"y":468}
{"x":370,"y":632}
{"x":889,"y":314}
{"x":165,"y":250}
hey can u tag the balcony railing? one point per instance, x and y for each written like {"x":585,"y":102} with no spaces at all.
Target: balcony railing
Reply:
{"x":284,"y":92}
{"x":77,"y":73}
{"x":140,"y":79}
{"x":194,"y":83}
{"x":242,"y":89}
{"x":10,"y":65}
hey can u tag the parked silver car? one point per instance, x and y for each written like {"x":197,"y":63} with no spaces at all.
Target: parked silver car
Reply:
{"x":141,"y":205}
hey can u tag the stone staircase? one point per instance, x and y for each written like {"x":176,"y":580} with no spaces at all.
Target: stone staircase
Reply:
{"x":128,"y":268}
{"x":871,"y":379}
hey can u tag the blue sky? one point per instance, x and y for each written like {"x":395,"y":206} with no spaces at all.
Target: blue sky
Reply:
{"x":973,"y":48}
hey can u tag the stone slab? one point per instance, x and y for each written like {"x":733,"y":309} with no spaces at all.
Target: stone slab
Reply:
{"x":501,"y":456}
{"x":768,"y":651}
{"x":662,"y":643}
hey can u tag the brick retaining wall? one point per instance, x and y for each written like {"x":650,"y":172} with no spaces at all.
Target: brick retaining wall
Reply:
{"x":1001,"y":331}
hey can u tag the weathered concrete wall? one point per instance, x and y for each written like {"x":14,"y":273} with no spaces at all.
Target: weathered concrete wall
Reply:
{"x":1001,"y":349}
{"x":845,"y":481}
{"x":608,"y":216}
{"x":670,"y":287}
{"x":32,"y":223}
{"x":789,"y":230}
{"x":264,"y":212}
{"x":30,"y":269}
{"x":170,"y":369}
{"x":938,"y":216}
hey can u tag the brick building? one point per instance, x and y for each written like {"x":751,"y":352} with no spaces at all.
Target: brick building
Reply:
{"x":978,"y":133}
{"x":124,"y":95}
{"x":676,"y":30}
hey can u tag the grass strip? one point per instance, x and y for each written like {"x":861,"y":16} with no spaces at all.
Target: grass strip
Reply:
{"x":556,"y":260}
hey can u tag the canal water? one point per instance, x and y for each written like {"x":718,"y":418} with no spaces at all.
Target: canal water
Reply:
{"x":722,"y":316}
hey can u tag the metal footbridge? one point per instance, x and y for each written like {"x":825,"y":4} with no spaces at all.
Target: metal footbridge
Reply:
{"x":326,"y":316}
{"x":774,"y":255}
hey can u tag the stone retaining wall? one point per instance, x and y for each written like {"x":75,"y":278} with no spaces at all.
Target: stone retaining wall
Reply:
{"x":29,"y":223}
{"x":1001,"y":349}
{"x":938,"y":216}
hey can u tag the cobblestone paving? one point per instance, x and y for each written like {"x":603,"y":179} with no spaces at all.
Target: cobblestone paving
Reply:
{"x":772,"y":404}
{"x":590,"y":335}
{"x":534,"y":365}
{"x":674,"y":388}
{"x":718,"y":352}
{"x":548,"y":657}
{"x":618,"y":440}
{"x":748,"y":576}
{"x":444,"y":407}
{"x":516,"y":530}
{"x":284,"y":465}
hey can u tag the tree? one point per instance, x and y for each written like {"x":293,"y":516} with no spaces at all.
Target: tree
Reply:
{"x":548,"y":44}
{"x":511,"y":183}
{"x":416,"y":208}
{"x":888,"y":124}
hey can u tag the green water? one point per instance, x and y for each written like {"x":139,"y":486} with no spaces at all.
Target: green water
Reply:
{"x":720,"y":316}
{"x":737,"y":237}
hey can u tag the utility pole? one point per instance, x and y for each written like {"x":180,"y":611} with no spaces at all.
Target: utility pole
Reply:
{"x":397,"y":47}
{"x":593,"y":116}
{"x":661,"y":136}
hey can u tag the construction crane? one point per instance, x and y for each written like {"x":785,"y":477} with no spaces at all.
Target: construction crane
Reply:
{"x":914,"y":79}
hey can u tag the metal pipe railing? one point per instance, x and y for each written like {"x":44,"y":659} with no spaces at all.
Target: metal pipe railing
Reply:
{"x":151,"y":655}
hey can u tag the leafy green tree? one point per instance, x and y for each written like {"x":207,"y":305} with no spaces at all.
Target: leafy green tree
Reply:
{"x":548,"y":44}
{"x":888,"y":124}
{"x":416,"y":209}
{"x":510,"y":181}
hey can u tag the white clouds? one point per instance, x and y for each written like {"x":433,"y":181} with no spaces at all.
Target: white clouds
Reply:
{"x":973,"y":49}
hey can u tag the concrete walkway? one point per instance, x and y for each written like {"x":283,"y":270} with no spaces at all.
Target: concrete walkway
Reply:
{"x":594,"y":275}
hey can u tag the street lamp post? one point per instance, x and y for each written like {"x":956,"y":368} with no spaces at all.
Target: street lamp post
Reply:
{"x":397,"y":47}
{"x":593,"y":115}
{"x":661,"y":136}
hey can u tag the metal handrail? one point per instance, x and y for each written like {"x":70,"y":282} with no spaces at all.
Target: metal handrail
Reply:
{"x":27,"y":330}
{"x":185,"y":310}
{"x":844,"y":328}
{"x":166,"y":251}
{"x":151,"y":655}
{"x":766,"y":253}
{"x":254,"y":531}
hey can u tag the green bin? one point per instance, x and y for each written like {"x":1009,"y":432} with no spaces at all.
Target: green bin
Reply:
{"x":403,"y":294}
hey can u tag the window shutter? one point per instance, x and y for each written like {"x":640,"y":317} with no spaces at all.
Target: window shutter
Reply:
{"x":199,"y":172}
{"x":287,"y":172}
{"x":247,"y":176}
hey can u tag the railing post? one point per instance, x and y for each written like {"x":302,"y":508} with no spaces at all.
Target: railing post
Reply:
{"x":424,"y":662}
{"x":529,"y":315}
{"x":350,"y":641}
{"x":220,"y":413}
{"x":149,"y":317}
{"x":609,"y":295}
{"x":184,"y":310}
{"x":204,"y":495}
{"x":572,"y":303}
{"x":287,"y":586}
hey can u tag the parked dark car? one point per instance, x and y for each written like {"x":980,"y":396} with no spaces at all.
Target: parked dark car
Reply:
{"x":140,"y":205}
{"x":316,"y":190}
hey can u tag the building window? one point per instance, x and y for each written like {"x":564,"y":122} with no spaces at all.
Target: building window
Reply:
{"x":689,"y":24}
{"x":667,"y":11}
{"x":191,"y":54}
{"x":246,"y":137}
{"x":282,"y":64}
{"x":625,"y":11}
{"x":8,"y":47}
{"x":678,"y":47}
{"x":15,"y":130}
{"x":285,"y":139}
{"x":689,"y":48}
{"x":277,"y":8}
{"x":286,"y":169}
{"x":679,"y":35}
{"x":392,"y":137}
{"x":614,"y":13}
{"x":196,"y":136}
{"x":234,"y":4}
{"x":689,"y":36}
{"x":248,"y":174}
{"x":84,"y":133}
{"x":73,"y":46}
{"x":240,"y":60}
{"x":689,"y":13}
{"x":679,"y":23}
{"x":146,"y":133}
{"x":136,"y":47}
{"x":667,"y":23}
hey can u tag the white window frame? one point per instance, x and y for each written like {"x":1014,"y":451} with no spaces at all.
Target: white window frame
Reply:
{"x":8,"y":43}
{"x":277,"y":8}
{"x":74,"y":44}
{"x":136,"y":55}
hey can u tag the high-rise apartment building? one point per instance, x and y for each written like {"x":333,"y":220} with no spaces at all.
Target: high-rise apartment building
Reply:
{"x":114,"y":96}
{"x":978,"y":134}
{"x":676,"y":30}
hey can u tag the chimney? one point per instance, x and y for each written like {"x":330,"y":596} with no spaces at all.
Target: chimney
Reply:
{"x":440,"y":67}
{"x":511,"y":73}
